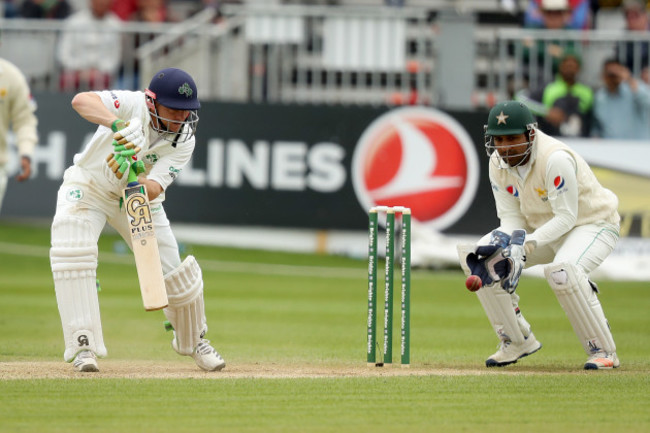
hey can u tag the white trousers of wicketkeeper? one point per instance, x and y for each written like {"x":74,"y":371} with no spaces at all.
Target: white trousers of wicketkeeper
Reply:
{"x":567,"y":264}
{"x":82,"y":211}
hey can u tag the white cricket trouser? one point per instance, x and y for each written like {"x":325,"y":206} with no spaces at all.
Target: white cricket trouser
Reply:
{"x":584,"y":246}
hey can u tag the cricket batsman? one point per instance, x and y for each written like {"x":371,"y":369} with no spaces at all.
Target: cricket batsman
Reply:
{"x":156,"y":131}
{"x":553,"y":212}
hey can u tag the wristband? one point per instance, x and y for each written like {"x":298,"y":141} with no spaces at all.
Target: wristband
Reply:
{"x":117,"y":125}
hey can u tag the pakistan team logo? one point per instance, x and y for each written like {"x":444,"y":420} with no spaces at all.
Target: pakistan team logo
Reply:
{"x":74,"y":194}
{"x":186,"y":90}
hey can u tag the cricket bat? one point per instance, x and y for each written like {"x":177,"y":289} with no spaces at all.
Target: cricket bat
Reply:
{"x":144,"y":244}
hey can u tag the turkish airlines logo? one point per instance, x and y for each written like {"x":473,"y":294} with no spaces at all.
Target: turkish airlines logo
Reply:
{"x":420,"y":158}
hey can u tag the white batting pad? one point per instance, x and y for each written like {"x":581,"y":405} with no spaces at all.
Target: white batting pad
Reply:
{"x":500,"y":308}
{"x":582,"y":307}
{"x":186,"y":310}
{"x":73,"y":258}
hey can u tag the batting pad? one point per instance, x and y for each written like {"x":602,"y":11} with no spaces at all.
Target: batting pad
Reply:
{"x":73,"y":258}
{"x":582,"y":307}
{"x":501,"y":312}
{"x":186,"y":310}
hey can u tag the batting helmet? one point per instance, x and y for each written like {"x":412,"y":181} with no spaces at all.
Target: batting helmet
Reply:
{"x":174,"y":88}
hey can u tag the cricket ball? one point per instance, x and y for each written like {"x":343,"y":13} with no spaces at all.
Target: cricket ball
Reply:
{"x":473,"y":283}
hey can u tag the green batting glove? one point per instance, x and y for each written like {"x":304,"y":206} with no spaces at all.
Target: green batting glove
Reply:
{"x":124,"y":164}
{"x":137,"y":167}
{"x":125,"y":150}
{"x":117,"y":125}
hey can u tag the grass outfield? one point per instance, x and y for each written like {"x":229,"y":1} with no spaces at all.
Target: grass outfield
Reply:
{"x":292,"y":330}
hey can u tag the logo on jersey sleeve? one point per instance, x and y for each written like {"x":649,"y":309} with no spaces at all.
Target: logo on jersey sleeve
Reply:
{"x":420,"y":158}
{"x":116,"y":102}
{"x":174,"y":172}
{"x":74,"y":194}
{"x":558,"y":182}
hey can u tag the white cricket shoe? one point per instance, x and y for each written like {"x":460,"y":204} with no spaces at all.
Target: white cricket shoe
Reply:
{"x":510,"y":352}
{"x":602,"y":361}
{"x":205,"y":356}
{"x":85,"y":361}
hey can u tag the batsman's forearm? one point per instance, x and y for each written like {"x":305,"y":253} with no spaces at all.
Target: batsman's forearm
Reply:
{"x":153,"y":188}
{"x":90,"y":106}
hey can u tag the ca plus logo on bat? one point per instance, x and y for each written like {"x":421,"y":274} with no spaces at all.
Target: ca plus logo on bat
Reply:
{"x":420,"y":158}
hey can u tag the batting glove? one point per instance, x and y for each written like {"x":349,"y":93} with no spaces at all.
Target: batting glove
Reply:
{"x":138,"y":167}
{"x":126,"y":150}
{"x":118,"y":125}
{"x":131,"y":137}
{"x":118,"y":164}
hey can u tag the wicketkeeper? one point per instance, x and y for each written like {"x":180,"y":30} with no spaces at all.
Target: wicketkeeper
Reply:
{"x":151,"y":132}
{"x":552,"y":211}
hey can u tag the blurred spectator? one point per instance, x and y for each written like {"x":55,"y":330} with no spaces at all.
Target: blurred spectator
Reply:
{"x":579,"y":16}
{"x":563,"y":107}
{"x":151,"y":11}
{"x":90,"y":48}
{"x":635,"y":55}
{"x":9,"y":9}
{"x":124,"y":8}
{"x":622,"y":105}
{"x":555,"y":16}
{"x":147,"y":12}
{"x":53,"y":9}
{"x":16,"y":114}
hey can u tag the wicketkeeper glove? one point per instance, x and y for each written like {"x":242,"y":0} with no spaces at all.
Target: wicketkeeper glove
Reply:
{"x":515,"y":255}
{"x":487,"y":261}
{"x":502,"y":260}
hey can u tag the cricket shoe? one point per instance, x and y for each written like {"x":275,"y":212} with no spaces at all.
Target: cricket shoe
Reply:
{"x":85,"y":361}
{"x":510,"y":352}
{"x":602,"y":361}
{"x":205,"y":356}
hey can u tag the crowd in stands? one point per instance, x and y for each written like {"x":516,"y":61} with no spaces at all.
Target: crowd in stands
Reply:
{"x":565,"y":105}
{"x":620,"y":106}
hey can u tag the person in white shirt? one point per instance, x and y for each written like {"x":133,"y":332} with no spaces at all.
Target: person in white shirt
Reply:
{"x":158,"y":125}
{"x":564,"y":219}
{"x":90,"y":48}
{"x":17,"y":115}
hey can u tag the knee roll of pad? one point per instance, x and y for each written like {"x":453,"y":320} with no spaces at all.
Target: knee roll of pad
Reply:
{"x":73,"y":258}
{"x":581,"y":305}
{"x":186,"y":310}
